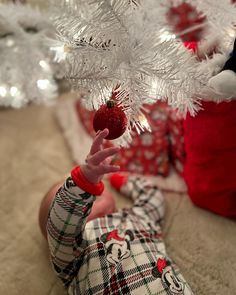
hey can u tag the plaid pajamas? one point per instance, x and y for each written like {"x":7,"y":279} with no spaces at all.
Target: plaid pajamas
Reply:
{"x":121,"y":253}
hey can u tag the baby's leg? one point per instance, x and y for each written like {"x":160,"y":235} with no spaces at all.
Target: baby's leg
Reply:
{"x":148,"y":199}
{"x":45,"y":205}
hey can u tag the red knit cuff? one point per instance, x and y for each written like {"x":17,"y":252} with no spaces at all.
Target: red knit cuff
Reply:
{"x":81,"y":181}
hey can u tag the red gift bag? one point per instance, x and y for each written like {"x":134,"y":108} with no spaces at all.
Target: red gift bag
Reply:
{"x":210,"y":144}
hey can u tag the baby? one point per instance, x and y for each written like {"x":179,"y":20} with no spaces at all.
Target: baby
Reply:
{"x":97,"y":250}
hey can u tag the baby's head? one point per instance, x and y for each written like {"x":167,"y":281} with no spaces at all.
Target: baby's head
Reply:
{"x":103,"y":205}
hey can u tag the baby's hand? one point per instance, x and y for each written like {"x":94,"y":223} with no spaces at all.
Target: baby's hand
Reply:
{"x":98,"y":160}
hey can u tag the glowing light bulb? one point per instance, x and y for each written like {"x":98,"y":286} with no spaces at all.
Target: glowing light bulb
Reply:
{"x":43,"y":64}
{"x":10,"y":42}
{"x":144,"y":122}
{"x":166,"y":36}
{"x":3,"y":91}
{"x":231,"y":32}
{"x":13,"y":90}
{"x":43,"y":84}
{"x":60,"y":52}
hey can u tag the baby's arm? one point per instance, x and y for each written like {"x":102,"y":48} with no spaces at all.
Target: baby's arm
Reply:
{"x":71,"y":207}
{"x":148,"y":199}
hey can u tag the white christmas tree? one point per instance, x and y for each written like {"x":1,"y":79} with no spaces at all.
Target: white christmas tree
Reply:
{"x":26,"y":74}
{"x":109,"y":44}
{"x":106,"y":44}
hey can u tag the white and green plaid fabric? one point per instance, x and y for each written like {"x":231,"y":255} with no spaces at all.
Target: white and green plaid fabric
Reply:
{"x":121,"y":253}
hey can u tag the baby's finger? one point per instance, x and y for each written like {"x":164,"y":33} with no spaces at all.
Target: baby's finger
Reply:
{"x":97,"y":142}
{"x":108,"y":160}
{"x":100,"y":156}
{"x":103,"y":169}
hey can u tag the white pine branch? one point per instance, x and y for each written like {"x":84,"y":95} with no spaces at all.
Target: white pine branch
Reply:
{"x":119,"y":42}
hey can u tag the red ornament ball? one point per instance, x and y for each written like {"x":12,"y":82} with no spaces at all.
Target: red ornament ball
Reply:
{"x":112,"y":117}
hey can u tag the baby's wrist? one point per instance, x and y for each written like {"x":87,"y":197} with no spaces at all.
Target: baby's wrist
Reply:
{"x":82,"y":181}
{"x":89,"y":174}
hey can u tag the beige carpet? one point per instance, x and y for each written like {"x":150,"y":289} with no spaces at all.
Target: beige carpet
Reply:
{"x":34,"y":155}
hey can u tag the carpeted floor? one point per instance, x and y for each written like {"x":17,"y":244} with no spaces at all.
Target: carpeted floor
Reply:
{"x":34,"y":155}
